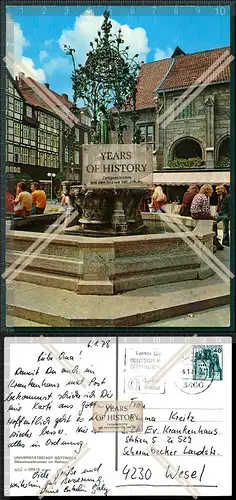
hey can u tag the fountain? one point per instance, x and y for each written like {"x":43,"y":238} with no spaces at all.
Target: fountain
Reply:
{"x":106,"y":249}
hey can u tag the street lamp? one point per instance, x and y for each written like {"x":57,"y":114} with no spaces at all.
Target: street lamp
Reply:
{"x":51,"y":175}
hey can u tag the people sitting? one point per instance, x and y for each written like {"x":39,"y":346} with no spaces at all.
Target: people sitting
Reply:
{"x":39,"y":199}
{"x":200,"y":209}
{"x":187,"y":200}
{"x":158,"y":200}
{"x":23,"y":201}
{"x":223,"y":212}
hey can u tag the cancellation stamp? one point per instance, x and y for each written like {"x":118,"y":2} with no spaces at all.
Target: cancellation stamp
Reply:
{"x":118,"y":416}
{"x":139,"y":365}
{"x":208,"y":362}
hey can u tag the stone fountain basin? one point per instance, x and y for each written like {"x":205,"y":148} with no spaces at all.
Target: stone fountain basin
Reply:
{"x":112,"y":265}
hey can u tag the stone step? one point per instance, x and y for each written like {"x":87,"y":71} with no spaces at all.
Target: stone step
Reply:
{"x":55,"y":307}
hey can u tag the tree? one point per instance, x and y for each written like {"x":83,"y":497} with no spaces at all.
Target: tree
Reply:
{"x":108,"y":78}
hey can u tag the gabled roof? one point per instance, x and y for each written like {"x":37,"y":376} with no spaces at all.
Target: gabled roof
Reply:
{"x":177,"y":72}
{"x":28,"y":88}
{"x":189,"y":67}
{"x":151,"y":74}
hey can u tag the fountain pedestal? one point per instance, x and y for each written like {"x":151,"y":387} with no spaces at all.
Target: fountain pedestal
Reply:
{"x":110,"y":211}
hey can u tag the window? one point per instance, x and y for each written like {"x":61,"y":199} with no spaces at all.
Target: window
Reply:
{"x":42,"y":159}
{"x":10,"y":87}
{"x":77,"y":134}
{"x":66,"y":155}
{"x":49,"y":121}
{"x":32,"y":134}
{"x":17,"y":106}
{"x":25,"y":132}
{"x":54,"y":141}
{"x":29,"y":111}
{"x":17,"y":129}
{"x":10,"y":103}
{"x":48,"y":160}
{"x":147,"y":134}
{"x":54,"y":162}
{"x":10,"y":152}
{"x":17,"y":154}
{"x":77,"y":157}
{"x":41,"y":117}
{"x":187,"y":112}
{"x":10,"y":130}
{"x":48,"y":139}
{"x":85,"y":137}
{"x":85,"y":120}
{"x":52,"y":122}
{"x":41,"y":138}
{"x":25,"y":155}
{"x":32,"y":157}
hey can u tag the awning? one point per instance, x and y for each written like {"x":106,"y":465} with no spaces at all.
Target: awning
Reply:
{"x":186,"y":178}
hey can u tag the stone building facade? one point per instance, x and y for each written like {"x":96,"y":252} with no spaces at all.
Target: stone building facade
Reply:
{"x":183,"y":109}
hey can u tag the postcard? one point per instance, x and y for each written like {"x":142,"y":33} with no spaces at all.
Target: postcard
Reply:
{"x":118,"y":183}
{"x":98,"y":416}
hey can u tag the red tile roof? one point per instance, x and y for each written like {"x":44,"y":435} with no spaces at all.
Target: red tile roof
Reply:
{"x":29,"y":87}
{"x":176,"y":73}
{"x":150,"y":75}
{"x":188,"y":68}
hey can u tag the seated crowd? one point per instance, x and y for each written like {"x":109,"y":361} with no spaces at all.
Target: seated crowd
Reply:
{"x":26,"y":203}
{"x":196,"y":204}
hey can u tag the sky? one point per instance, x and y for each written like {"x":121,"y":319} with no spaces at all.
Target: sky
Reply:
{"x":39,"y":33}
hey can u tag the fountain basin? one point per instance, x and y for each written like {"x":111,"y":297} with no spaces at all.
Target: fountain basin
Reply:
{"x":111,"y":265}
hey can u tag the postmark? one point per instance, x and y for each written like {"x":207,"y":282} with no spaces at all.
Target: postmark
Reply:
{"x":208,"y":362}
{"x":141,"y":384}
{"x":118,"y":416}
{"x":184,"y":375}
{"x":139,"y":365}
{"x":142,"y":360}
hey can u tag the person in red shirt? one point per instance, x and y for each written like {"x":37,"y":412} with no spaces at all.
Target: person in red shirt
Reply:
{"x":187,"y":200}
{"x":9,"y":202}
{"x":158,"y":200}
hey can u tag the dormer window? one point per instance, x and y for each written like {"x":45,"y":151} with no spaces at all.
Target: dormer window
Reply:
{"x":29,"y":112}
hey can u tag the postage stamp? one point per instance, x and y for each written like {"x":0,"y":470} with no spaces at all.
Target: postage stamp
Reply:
{"x":118,"y":416}
{"x":208,"y":362}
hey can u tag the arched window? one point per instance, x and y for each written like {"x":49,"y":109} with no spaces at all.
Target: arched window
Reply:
{"x":224,"y":149}
{"x":187,"y":148}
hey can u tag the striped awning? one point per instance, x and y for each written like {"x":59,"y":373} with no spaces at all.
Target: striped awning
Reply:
{"x":186,"y":178}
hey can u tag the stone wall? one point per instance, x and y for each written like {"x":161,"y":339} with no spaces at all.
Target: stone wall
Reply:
{"x":208,"y":126}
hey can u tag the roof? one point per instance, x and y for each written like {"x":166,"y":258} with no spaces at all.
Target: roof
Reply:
{"x":29,"y":92}
{"x":150,"y":75}
{"x":189,"y":67}
{"x":177,"y":72}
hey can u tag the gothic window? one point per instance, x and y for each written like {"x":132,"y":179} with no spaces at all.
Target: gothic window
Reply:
{"x":186,"y":112}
